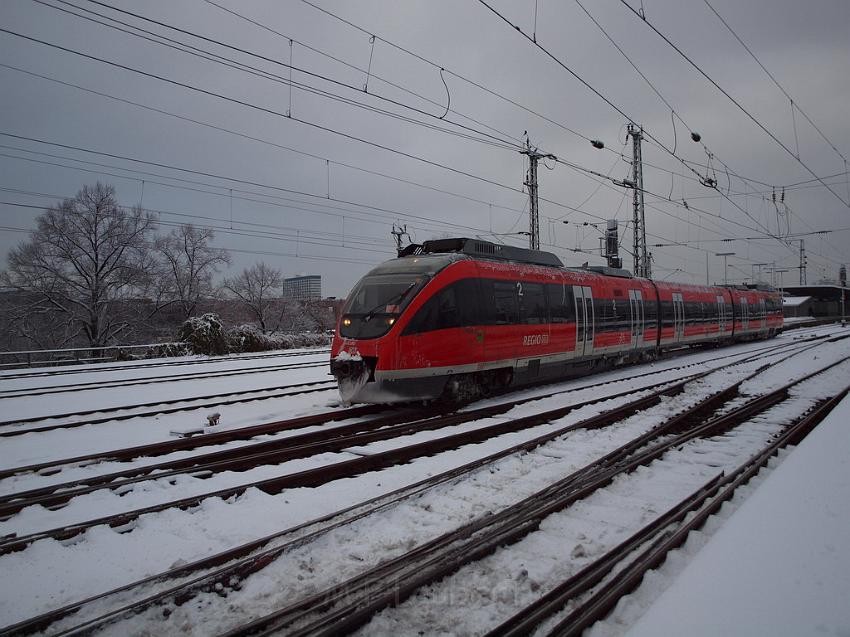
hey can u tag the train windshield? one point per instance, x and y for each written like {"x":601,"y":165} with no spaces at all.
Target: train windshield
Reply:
{"x":376,"y":301}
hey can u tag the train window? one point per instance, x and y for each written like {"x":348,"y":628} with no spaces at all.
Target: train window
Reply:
{"x":453,"y":306}
{"x":604,"y":310}
{"x":650,"y":307}
{"x":667,"y":314}
{"x":503,"y":309}
{"x":561,"y":303}
{"x":622,"y":315}
{"x":448,"y":313}
{"x":532,"y":304}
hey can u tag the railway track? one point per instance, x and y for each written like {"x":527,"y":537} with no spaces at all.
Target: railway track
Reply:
{"x":94,"y":369}
{"x":352,"y":603}
{"x":150,"y":380}
{"x":275,"y":450}
{"x":647,"y":548}
{"x":232,"y":398}
{"x":209,"y":582}
{"x":117,"y":417}
{"x":249,"y":560}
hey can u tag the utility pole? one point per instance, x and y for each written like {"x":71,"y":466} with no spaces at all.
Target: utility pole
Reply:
{"x":534,"y":155}
{"x":802,"y":262}
{"x":642,"y":265}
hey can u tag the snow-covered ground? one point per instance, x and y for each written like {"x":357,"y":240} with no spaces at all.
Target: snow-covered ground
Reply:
{"x":56,"y":573}
{"x":775,"y":561}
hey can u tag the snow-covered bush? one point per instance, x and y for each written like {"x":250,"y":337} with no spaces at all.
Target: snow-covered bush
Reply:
{"x":204,"y":334}
{"x":247,"y":338}
{"x":168,"y":349}
{"x":207,"y":335}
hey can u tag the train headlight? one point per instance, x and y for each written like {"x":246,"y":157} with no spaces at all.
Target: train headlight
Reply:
{"x":346,"y":322}
{"x":390,"y":321}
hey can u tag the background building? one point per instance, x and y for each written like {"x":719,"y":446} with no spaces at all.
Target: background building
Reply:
{"x":308,"y":287}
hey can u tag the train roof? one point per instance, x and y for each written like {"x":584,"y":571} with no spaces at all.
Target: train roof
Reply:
{"x":485,"y":250}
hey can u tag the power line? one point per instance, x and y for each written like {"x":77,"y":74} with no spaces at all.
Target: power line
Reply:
{"x":674,"y":113}
{"x":492,"y":92}
{"x":584,"y":82}
{"x":368,"y":72}
{"x":317,"y":208}
{"x":255,"y":139}
{"x":348,"y":237}
{"x":267,"y":75}
{"x":240,"y":66}
{"x":734,"y":101}
{"x":501,"y":185}
{"x":775,"y":81}
{"x":265,"y":110}
{"x":223,"y":229}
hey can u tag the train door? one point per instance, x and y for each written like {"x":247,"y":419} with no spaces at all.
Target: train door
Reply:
{"x":763,"y":314}
{"x":678,"y":317}
{"x":637,"y":316}
{"x":721,"y":314}
{"x":584,"y":320}
{"x":745,"y":315}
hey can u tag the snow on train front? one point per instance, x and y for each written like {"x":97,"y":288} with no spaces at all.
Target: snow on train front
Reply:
{"x":364,"y":349}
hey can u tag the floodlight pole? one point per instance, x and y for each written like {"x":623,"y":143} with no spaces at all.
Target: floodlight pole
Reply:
{"x":725,"y":271}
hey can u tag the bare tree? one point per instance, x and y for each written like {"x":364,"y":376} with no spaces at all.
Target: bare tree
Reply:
{"x":188,"y":264}
{"x":259,"y":288}
{"x":87,"y":261}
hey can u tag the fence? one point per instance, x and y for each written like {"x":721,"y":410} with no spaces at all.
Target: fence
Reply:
{"x":70,"y":356}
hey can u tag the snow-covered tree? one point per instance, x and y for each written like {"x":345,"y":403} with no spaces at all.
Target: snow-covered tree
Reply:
{"x":87,"y":263}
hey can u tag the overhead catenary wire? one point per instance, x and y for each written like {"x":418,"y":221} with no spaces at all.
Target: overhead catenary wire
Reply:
{"x":339,"y":60}
{"x":315,"y":208}
{"x":260,"y":140}
{"x":263,"y":109}
{"x":266,"y":75}
{"x":258,"y":184}
{"x":674,"y":113}
{"x":501,"y":138}
{"x":596,"y":92}
{"x":775,"y":81}
{"x":735,"y":102}
{"x":225,"y":229}
{"x":558,"y":204}
{"x":483,"y":137}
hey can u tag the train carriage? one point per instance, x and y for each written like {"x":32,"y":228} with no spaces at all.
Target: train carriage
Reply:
{"x":463,"y":316}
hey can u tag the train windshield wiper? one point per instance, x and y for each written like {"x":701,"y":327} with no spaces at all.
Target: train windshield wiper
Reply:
{"x":396,"y":299}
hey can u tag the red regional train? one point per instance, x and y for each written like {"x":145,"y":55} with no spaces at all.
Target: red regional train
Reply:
{"x":459,"y":318}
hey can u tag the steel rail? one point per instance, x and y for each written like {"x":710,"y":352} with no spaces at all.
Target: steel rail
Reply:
{"x":201,"y":440}
{"x":151,"y":449}
{"x":245,"y":397}
{"x":212,"y":360}
{"x":603,"y":601}
{"x":392,"y":582}
{"x":272,"y":452}
{"x":306,"y":478}
{"x":244,"y":566}
{"x":150,"y":380}
{"x":310,"y":477}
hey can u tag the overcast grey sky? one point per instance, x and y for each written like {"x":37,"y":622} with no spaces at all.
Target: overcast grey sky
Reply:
{"x":305,"y":199}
